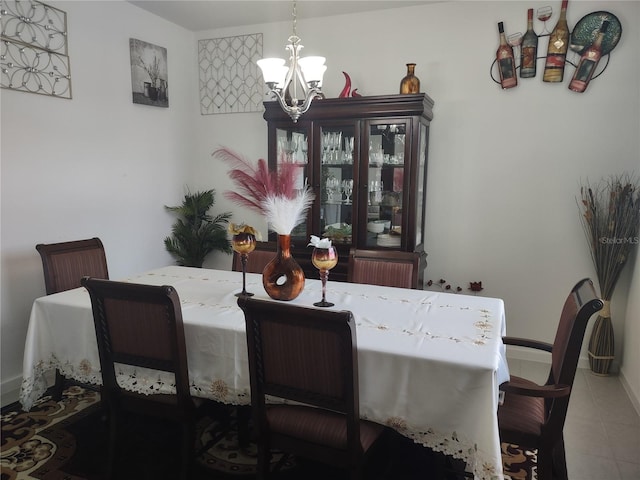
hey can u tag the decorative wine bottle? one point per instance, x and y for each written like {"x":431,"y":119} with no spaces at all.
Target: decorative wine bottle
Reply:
{"x":506,"y":62}
{"x":529,"y":49}
{"x":410,"y":83}
{"x":588,"y":62}
{"x":557,"y":49}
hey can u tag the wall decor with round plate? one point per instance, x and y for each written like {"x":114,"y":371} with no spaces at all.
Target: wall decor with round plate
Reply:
{"x":587,"y":28}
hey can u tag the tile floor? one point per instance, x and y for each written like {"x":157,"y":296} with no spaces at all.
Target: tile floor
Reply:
{"x":602,"y":430}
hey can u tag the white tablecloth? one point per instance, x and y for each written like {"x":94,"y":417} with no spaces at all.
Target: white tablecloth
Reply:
{"x":429,"y":363}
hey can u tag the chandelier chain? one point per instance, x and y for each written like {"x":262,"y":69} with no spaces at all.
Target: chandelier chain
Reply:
{"x":295,"y":19}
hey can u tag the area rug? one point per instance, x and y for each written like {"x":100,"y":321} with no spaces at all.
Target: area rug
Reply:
{"x":67,"y":440}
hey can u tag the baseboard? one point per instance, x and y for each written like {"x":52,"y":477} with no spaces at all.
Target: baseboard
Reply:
{"x":532,"y":355}
{"x":529,"y":354}
{"x":10,"y":391}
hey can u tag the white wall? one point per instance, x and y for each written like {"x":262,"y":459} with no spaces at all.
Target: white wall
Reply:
{"x":504,"y":166}
{"x":96,"y":165}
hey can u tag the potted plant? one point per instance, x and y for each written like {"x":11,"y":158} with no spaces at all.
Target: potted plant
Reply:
{"x":611,"y":219}
{"x":153,"y":70}
{"x":196,"y":233}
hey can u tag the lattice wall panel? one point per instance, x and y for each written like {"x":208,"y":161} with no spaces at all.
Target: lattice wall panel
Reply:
{"x":230,"y":81}
{"x":34,"y":54}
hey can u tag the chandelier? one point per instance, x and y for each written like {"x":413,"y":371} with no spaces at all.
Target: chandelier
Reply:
{"x":304,"y":73}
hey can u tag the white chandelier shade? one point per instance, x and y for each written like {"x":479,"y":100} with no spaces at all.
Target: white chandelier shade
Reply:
{"x":283,"y":80}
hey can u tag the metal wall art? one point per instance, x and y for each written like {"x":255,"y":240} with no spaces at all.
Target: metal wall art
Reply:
{"x":230,"y":81}
{"x":149,"y":74}
{"x":34,"y":56}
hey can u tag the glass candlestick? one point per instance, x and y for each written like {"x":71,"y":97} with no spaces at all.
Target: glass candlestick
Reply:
{"x":324,"y":259}
{"x":244,"y":244}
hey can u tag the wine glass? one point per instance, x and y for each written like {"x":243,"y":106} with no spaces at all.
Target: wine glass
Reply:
{"x":326,"y":137}
{"x":333,"y":186}
{"x":544,"y":14}
{"x":324,"y":259}
{"x":244,"y":244}
{"x":347,"y":188}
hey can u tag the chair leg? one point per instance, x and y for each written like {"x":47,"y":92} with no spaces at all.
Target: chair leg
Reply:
{"x":188,"y":449}
{"x":113,"y":444}
{"x":58,"y":386}
{"x":545,"y":464}
{"x":264,"y":460}
{"x":243,"y":415}
{"x":560,"y":461}
{"x":355,"y":472}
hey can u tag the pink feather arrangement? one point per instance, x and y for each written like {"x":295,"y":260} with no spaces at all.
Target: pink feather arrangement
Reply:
{"x":269,"y":193}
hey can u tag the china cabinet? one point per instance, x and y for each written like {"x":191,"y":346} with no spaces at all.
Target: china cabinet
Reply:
{"x":365,"y":158}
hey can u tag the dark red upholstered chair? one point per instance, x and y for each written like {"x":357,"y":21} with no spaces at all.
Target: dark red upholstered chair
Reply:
{"x":533,"y":415}
{"x":307,"y":356}
{"x":384,"y":267}
{"x":256,"y":260}
{"x":64,"y":264}
{"x":141,"y":325}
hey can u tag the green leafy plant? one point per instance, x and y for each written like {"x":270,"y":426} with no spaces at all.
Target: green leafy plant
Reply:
{"x":196,"y":233}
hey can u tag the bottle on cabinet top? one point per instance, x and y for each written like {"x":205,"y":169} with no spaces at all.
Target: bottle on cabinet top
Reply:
{"x":529,"y":49}
{"x":410,"y":83}
{"x":557,"y":49}
{"x":506,"y":61}
{"x":588,"y":62}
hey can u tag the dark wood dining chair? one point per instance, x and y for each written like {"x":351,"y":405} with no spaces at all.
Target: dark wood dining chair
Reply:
{"x":533,"y":415}
{"x":308,"y":356}
{"x":384,"y":267}
{"x":141,"y":325}
{"x":256,"y":260}
{"x":64,"y":264}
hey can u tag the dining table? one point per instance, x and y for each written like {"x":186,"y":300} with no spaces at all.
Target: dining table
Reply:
{"x":429,"y":363}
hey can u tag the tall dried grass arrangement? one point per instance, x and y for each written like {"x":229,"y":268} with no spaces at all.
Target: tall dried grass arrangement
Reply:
{"x":611,"y":220}
{"x":272,"y":194}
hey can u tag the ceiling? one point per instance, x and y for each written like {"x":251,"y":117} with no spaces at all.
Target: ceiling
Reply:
{"x":198,"y":15}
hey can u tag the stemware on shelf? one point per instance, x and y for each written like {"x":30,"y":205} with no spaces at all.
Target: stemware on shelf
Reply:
{"x":244,"y":244}
{"x":347,"y":188}
{"x":324,"y":259}
{"x":333,"y":187}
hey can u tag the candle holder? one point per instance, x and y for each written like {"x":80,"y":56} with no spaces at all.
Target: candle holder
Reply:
{"x":244,"y":244}
{"x":324,"y":259}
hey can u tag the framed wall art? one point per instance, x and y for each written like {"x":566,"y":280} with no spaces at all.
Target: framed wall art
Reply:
{"x":149,"y":74}
{"x":229,"y":78}
{"x":34,"y":56}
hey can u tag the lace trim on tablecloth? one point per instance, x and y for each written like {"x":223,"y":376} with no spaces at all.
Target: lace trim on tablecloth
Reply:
{"x":147,"y":382}
{"x":450,"y":444}
{"x":35,"y":386}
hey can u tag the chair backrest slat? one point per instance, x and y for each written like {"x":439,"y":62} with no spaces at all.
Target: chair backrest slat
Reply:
{"x":64,"y":264}
{"x":386,"y":268}
{"x":256,"y":260}
{"x":302,"y":354}
{"x":578,"y":308}
{"x":139,"y":325}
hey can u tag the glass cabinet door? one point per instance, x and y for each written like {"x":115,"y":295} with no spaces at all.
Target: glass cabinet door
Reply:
{"x":385,"y":185}
{"x":338,"y":185}
{"x":422,"y":183}
{"x":292,"y":146}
